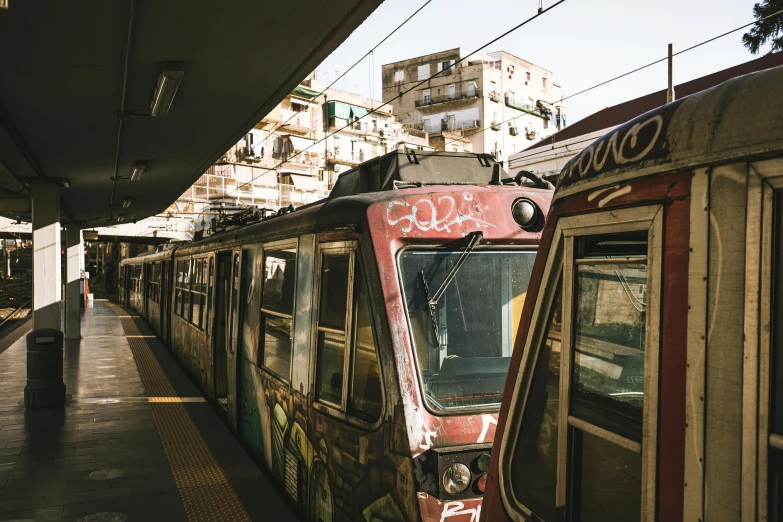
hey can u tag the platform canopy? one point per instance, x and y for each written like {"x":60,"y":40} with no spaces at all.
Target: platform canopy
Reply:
{"x":78,"y":79}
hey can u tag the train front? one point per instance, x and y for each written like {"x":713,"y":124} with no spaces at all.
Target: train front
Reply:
{"x":454,"y":264}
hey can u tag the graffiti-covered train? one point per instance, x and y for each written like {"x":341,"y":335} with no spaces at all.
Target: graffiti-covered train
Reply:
{"x":359,"y":346}
{"x":647,"y":382}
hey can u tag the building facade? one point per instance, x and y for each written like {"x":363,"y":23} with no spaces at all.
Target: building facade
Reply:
{"x":296,"y":152}
{"x":498,"y":102}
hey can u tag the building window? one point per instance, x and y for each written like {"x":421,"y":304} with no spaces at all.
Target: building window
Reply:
{"x":427,"y":97}
{"x":528,"y":76}
{"x":471,"y":89}
{"x":444,"y":66}
{"x":452,"y":91}
{"x":399,"y":76}
{"x":544,"y":79}
{"x":423,"y":72}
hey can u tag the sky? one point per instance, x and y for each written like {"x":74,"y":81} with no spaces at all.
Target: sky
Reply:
{"x":583,"y":42}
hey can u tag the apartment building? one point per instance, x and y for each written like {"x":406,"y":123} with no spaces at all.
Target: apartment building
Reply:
{"x":297,"y":151}
{"x":498,"y":102}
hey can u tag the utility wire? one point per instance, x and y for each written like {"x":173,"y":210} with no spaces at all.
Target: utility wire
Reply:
{"x":360,"y":60}
{"x":625,"y":74}
{"x":451,"y":66}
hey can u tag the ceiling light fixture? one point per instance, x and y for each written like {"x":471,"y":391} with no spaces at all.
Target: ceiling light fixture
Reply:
{"x":137,"y":170}
{"x":120,"y":218}
{"x":127,"y":202}
{"x":171,"y":75}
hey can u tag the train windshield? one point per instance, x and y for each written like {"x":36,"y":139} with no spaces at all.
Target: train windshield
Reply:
{"x":464,"y":322}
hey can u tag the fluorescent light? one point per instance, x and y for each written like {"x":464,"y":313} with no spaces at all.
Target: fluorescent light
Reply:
{"x":171,"y":75}
{"x":127,"y":202}
{"x":136,"y":171}
{"x":120,"y":218}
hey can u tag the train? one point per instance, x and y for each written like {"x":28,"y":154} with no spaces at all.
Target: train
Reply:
{"x":358,"y":346}
{"x":646,"y":379}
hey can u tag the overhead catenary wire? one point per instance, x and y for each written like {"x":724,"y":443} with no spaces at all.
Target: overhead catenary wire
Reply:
{"x":627,"y":73}
{"x":422,"y":82}
{"x":341,"y":76}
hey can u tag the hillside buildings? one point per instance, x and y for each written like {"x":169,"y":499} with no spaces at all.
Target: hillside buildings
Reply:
{"x":297,"y":151}
{"x":493,"y":103}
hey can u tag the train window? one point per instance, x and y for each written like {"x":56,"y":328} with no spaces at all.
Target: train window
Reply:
{"x":607,"y":377}
{"x":347,"y":371}
{"x":463,"y":341}
{"x":332,"y":317}
{"x":183,"y":289}
{"x":277,"y":309}
{"x":198,"y":294}
{"x":366,"y":400}
{"x":534,"y":467}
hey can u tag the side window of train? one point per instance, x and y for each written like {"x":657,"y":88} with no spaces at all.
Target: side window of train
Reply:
{"x":347,"y":375}
{"x":275,"y":343}
{"x":586,"y":445}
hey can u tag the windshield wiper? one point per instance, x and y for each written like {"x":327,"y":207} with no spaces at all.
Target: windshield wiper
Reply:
{"x":475,"y":239}
{"x":432,"y":300}
{"x":431,"y":307}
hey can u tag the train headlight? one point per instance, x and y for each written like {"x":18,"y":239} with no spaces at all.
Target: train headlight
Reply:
{"x":525,"y":212}
{"x":456,"y":478}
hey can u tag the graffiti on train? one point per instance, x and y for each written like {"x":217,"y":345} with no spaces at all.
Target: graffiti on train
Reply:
{"x":440,"y":213}
{"x":641,"y":139}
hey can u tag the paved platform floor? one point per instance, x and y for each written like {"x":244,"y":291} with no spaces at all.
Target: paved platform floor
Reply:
{"x":135,"y":441}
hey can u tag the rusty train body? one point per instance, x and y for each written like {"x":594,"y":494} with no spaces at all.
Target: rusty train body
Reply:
{"x":647,"y":379}
{"x":359,"y":346}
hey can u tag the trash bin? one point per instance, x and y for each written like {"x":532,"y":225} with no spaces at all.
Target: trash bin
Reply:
{"x":45,"y":387}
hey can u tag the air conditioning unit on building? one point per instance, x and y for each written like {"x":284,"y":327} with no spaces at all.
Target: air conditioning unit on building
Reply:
{"x":514,"y":131}
{"x":531,"y":135}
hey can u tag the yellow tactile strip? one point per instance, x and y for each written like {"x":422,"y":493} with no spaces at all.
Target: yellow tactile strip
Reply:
{"x":203,"y":487}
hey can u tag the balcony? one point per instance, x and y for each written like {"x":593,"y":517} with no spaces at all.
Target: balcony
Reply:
{"x":495,"y":126}
{"x":494,"y":96}
{"x":525,"y":107}
{"x":449,"y":98}
{"x":455,"y":126}
{"x":413,"y":131}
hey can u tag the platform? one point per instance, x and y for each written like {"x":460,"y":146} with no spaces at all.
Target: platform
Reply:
{"x":136,"y":439}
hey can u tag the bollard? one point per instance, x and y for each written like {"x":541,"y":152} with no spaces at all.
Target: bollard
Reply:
{"x":45,"y":387}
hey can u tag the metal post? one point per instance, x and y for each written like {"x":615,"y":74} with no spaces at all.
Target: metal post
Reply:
{"x":670,"y":90}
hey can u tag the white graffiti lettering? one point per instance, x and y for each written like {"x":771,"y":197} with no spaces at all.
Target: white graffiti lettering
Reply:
{"x":487,"y":420}
{"x":594,"y":157}
{"x":456,"y":508}
{"x":426,"y":215}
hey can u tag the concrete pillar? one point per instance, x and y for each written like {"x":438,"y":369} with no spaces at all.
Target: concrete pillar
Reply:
{"x":47,"y":262}
{"x":74,"y":254}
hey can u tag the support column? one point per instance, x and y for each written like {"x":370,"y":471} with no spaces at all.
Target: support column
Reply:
{"x":47,"y":262}
{"x":74,"y":265}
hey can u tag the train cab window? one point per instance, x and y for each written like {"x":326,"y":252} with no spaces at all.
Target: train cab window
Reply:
{"x":347,"y":372}
{"x":332,"y":318}
{"x":277,"y":310}
{"x":534,"y":467}
{"x":588,"y":423}
{"x":365,"y":398}
{"x":464,"y":308}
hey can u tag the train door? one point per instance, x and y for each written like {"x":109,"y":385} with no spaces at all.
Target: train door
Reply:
{"x":232,"y":394}
{"x":163,"y":301}
{"x":221,"y":331}
{"x":227,"y":289}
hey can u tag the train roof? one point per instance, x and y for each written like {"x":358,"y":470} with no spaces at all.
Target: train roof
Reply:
{"x":742,"y":117}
